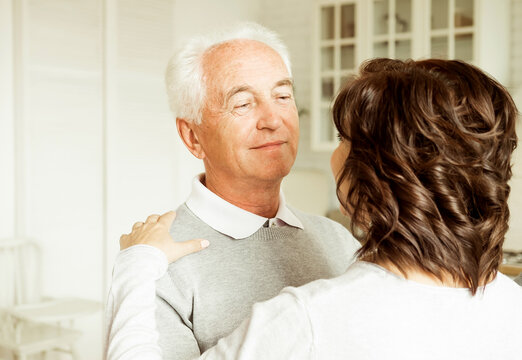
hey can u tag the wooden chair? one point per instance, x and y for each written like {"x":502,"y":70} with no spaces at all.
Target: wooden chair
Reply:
{"x":24,"y":338}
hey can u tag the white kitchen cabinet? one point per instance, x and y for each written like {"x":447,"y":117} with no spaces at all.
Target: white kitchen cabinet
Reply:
{"x":348,"y":32}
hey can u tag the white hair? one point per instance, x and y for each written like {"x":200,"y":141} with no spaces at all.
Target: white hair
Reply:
{"x":184,"y":75}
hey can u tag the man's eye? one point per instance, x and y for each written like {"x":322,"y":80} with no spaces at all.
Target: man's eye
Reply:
{"x":284,"y":98}
{"x":243,"y":108}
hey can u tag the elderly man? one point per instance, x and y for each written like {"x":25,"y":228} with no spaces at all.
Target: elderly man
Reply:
{"x":234,"y":105}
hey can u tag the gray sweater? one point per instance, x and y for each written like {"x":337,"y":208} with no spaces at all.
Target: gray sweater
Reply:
{"x":518,"y":279}
{"x":205,"y":296}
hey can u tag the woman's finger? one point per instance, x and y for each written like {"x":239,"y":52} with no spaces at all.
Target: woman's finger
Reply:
{"x":167,"y":218}
{"x":137,"y":225}
{"x":123,"y":239}
{"x":152,"y":219}
{"x":187,"y":247}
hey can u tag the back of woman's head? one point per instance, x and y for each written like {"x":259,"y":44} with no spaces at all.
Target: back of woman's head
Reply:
{"x":426,"y":176}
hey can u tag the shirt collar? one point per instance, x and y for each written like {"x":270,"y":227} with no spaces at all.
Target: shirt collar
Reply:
{"x":229,"y":219}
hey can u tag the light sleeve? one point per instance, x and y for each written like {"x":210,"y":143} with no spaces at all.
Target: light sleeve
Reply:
{"x":130,"y":323}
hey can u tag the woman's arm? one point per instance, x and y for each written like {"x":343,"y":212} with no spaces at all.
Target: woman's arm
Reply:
{"x":130,"y":313}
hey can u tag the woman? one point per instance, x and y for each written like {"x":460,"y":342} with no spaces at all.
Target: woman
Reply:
{"x":422,"y":168}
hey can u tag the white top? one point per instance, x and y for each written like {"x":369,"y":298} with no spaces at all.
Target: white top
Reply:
{"x":231,"y":220}
{"x":366,"y":313}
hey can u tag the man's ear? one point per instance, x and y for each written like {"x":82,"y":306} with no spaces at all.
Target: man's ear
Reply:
{"x":189,"y":137}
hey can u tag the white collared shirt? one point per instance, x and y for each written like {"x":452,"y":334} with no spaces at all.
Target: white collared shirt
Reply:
{"x":231,"y":220}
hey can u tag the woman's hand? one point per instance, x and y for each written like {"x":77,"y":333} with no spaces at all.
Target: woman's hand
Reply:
{"x":155,"y":232}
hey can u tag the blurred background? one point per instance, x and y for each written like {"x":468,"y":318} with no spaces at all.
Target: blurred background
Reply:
{"x":88,"y":145}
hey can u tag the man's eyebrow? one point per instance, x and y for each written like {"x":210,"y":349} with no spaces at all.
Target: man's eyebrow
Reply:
{"x":285,"y":82}
{"x":235,"y":90}
{"x":241,"y":88}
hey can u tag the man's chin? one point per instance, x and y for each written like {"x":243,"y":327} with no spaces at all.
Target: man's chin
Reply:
{"x":274,"y":174}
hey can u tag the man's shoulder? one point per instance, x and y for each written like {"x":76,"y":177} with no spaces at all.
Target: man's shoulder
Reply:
{"x":327,"y":230}
{"x":184,"y":215}
{"x":187,"y":225}
{"x":318,"y":221}
{"x":178,"y":280}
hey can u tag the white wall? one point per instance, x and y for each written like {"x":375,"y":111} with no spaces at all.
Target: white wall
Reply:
{"x":6,"y":122}
{"x":87,"y":143}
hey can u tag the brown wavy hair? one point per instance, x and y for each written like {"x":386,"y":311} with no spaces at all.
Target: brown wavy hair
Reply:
{"x":429,"y":163}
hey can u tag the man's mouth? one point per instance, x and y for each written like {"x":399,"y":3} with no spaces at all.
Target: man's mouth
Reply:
{"x":269,"y":145}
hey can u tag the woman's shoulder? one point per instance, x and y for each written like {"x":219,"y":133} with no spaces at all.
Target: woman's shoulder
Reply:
{"x":360,"y":280}
{"x":365,"y":282}
{"x":504,"y":287}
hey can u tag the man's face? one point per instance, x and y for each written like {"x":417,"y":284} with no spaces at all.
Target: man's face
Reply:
{"x":250,"y":125}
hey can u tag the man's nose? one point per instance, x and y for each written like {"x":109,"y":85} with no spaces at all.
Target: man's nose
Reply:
{"x":269,"y":116}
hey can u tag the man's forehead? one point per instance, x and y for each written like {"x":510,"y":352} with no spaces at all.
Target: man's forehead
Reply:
{"x":240,"y":65}
{"x":233,"y":53}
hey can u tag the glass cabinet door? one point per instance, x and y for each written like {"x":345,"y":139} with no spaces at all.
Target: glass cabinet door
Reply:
{"x":452,"y":29}
{"x":392,"y":28}
{"x":337,"y":59}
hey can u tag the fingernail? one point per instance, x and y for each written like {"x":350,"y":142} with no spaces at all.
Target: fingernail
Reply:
{"x":205,"y":243}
